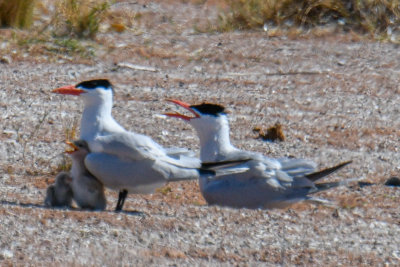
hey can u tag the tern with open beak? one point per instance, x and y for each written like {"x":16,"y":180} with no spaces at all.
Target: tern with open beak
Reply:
{"x":264,"y":182}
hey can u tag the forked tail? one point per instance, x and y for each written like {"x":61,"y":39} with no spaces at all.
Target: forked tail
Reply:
{"x":325,"y":172}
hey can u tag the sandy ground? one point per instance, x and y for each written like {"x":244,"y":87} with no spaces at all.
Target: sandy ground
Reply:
{"x":336,"y":97}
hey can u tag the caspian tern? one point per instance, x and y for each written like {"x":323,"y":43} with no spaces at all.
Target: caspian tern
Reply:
{"x":59,"y":194}
{"x":264,"y":182}
{"x":122,"y":160}
{"x":88,"y":192}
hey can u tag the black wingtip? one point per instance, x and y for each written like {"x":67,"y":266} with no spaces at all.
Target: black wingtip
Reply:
{"x":206,"y":172}
{"x":223,"y":164}
{"x":318,"y":175}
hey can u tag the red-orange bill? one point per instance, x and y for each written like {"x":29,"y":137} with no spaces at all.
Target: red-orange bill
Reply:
{"x":185,"y":106}
{"x":68,"y":90}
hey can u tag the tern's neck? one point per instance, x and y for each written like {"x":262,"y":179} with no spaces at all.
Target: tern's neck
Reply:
{"x":97,"y":118}
{"x":78,"y":168}
{"x":214,"y":139}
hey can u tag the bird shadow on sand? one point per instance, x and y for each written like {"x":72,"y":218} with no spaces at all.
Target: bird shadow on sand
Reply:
{"x":41,"y":206}
{"x":24,"y":205}
{"x":131,"y":212}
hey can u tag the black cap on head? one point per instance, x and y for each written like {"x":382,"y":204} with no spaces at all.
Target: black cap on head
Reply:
{"x":93,"y":84}
{"x":209,"y":109}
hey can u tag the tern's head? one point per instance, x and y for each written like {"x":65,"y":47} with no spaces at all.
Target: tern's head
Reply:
{"x":204,"y":114}
{"x":212,"y":127}
{"x":80,"y":149}
{"x":90,"y":90}
{"x":63,"y":179}
{"x":207,"y":117}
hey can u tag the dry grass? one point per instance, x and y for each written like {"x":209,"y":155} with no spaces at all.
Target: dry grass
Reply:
{"x":273,"y":133}
{"x":59,"y":29}
{"x":123,"y":19}
{"x":380,"y":16}
{"x":16,"y":13}
{"x":80,"y":18}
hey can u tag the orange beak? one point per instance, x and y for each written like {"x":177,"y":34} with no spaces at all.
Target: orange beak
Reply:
{"x":73,"y":146}
{"x":185,"y":106}
{"x":68,"y":90}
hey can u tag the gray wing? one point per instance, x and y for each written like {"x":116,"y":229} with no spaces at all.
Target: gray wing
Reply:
{"x":136,"y":147}
{"x":291,"y":166}
{"x":140,"y":176}
{"x":260,"y":187}
{"x":284,"y":169}
{"x":251,"y":193}
{"x":127,"y":145}
{"x":177,"y":152}
{"x":297,"y":167}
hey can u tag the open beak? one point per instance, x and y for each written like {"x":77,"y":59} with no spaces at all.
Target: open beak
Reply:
{"x":73,"y":146}
{"x":185,"y":106}
{"x":68,"y":90}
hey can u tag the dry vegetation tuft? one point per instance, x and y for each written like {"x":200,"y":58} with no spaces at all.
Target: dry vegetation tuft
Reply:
{"x":73,"y":18}
{"x":363,"y":16}
{"x":80,"y":18}
{"x":273,"y":133}
{"x":16,"y":13}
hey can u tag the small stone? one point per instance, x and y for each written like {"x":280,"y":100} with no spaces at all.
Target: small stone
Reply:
{"x":197,"y":69}
{"x":393,"y":181}
{"x":7,"y":254}
{"x":341,"y":62}
{"x":342,"y":21}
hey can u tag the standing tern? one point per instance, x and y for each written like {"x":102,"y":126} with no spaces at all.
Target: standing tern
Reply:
{"x":125,"y":161}
{"x":264,"y":182}
{"x":88,"y":192}
{"x":59,"y":194}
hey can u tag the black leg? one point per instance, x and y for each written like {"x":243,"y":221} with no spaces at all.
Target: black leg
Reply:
{"x":121,"y":199}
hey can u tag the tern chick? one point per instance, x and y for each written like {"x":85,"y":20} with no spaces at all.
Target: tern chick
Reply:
{"x":59,"y":194}
{"x":88,"y":192}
